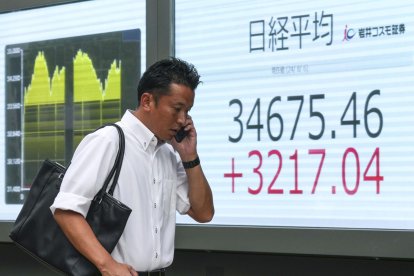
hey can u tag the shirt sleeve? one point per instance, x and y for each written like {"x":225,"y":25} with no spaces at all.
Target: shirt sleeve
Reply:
{"x":91,"y":163}
{"x":183,"y":201}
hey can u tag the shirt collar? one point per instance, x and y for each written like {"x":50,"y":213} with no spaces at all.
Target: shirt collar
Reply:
{"x":145,"y":137}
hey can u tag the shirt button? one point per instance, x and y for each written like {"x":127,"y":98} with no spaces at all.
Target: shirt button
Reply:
{"x":155,"y":205}
{"x":153,"y":181}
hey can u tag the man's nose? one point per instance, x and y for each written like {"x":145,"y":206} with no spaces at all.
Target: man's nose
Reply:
{"x":182,"y":117}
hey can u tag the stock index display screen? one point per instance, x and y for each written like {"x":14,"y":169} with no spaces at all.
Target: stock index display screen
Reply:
{"x":57,"y":91}
{"x":64,"y":71}
{"x":305,"y":114}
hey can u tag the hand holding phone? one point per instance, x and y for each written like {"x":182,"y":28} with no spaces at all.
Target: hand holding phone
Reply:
{"x":181,"y":134}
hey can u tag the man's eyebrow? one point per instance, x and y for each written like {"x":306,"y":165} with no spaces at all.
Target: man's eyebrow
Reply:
{"x":180,"y":104}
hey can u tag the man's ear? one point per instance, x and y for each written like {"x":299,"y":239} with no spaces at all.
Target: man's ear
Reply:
{"x":146,"y":101}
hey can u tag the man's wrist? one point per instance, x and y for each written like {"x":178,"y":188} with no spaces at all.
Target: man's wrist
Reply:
{"x":191,"y":164}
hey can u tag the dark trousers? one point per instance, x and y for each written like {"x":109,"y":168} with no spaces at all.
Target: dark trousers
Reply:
{"x":160,"y":272}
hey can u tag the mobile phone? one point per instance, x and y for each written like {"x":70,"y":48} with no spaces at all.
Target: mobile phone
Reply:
{"x":180,"y":135}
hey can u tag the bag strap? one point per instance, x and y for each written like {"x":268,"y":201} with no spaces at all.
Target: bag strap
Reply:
{"x":116,"y":169}
{"x":120,"y":158}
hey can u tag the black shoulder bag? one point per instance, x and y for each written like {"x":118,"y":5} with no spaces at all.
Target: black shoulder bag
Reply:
{"x":36,"y":231}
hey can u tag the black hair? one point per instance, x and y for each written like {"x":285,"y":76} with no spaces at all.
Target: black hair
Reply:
{"x":159,"y":76}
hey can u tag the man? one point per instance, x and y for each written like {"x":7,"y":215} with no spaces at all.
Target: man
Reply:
{"x":158,"y":176}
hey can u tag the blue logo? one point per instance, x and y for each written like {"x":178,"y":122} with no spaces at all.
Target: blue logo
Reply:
{"x":348,"y":33}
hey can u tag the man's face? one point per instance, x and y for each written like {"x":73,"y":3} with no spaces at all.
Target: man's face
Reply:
{"x":170,"y":113}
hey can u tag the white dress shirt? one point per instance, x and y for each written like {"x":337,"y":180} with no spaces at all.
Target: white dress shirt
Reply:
{"x":152,"y":183}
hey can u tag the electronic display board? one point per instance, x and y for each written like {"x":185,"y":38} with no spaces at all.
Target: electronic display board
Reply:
{"x":57,"y":91}
{"x":64,"y":70}
{"x":304,"y":116}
